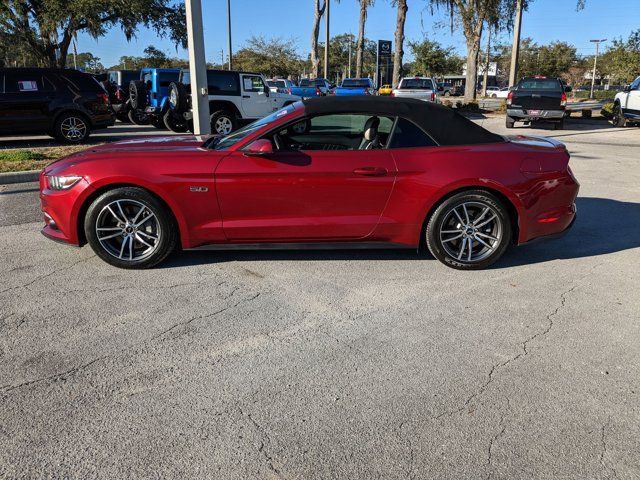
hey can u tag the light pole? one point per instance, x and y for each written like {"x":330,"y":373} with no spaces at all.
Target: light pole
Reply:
{"x":515,"y":49}
{"x":229,"y":33}
{"x":326,"y":44}
{"x":197,"y":68}
{"x":595,"y":63}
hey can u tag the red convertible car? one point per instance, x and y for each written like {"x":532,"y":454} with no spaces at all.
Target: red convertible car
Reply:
{"x":364,"y":170}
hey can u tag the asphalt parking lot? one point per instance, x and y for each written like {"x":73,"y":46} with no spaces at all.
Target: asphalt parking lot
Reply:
{"x":332,"y":364}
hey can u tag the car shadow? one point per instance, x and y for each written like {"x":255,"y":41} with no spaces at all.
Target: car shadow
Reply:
{"x":603,"y":226}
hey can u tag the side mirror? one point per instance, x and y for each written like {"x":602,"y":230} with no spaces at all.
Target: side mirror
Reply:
{"x":259,"y":148}
{"x":627,"y":88}
{"x":568,"y":88}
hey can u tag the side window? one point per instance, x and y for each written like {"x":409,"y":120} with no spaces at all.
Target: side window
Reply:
{"x":636,"y":84}
{"x":409,"y":135}
{"x":222,"y":83}
{"x":349,"y":124}
{"x":26,"y":83}
{"x":166,"y":78}
{"x":83,"y":83}
{"x":252,"y":83}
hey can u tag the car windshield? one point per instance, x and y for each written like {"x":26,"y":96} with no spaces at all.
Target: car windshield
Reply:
{"x":539,"y":84}
{"x":224,"y":143}
{"x":312,"y":83}
{"x":416,"y":84}
{"x":356,"y":82}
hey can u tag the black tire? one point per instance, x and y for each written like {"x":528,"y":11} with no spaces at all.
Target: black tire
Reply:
{"x":174,"y":122}
{"x":138,"y":94}
{"x":222,"y":121}
{"x":123,"y":117}
{"x":494,"y":96}
{"x":447,"y":93}
{"x":618,"y":119}
{"x":72,"y":128}
{"x":137,"y":117}
{"x":178,"y":96}
{"x":559,"y":125}
{"x":114,"y":250}
{"x":496,"y":233}
{"x":510,"y":122}
{"x":157,"y":121}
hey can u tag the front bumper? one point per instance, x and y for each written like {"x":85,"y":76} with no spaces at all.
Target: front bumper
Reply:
{"x":523,"y":113}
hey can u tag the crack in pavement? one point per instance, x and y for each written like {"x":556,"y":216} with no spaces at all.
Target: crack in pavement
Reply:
{"x":8,"y":388}
{"x":261,"y":448}
{"x":523,"y":353}
{"x":603,"y":451}
{"x":47,"y":275}
{"x":493,"y":440}
{"x":409,"y":470}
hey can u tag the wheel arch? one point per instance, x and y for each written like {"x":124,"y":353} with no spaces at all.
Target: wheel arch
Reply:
{"x":215,"y":105}
{"x":512,"y":210}
{"x":105,"y":187}
{"x":72,"y":109}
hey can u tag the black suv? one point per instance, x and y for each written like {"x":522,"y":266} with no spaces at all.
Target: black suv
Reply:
{"x":65,"y":104}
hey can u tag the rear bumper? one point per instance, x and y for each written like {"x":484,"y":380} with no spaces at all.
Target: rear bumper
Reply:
{"x":523,"y":113}
{"x":553,"y":236}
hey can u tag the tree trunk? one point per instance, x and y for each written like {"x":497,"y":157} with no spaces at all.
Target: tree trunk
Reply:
{"x":315,"y":32}
{"x":397,"y":59}
{"x":473,"y":48}
{"x":364,"y":4}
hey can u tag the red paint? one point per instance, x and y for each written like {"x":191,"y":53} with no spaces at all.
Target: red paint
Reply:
{"x":372,"y":195}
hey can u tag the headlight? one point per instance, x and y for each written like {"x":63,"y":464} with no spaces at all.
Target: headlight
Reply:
{"x":62,"y":183}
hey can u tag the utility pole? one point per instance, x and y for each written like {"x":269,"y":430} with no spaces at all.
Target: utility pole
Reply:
{"x":326,"y":44}
{"x":595,"y":63}
{"x":486,"y":65}
{"x":515,"y":49}
{"x":229,"y":33}
{"x":197,"y":68}
{"x":349,"y":71}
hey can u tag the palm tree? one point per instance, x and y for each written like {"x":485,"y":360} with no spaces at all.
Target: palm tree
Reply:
{"x":318,"y":12}
{"x":397,"y":59}
{"x":364,"y":5}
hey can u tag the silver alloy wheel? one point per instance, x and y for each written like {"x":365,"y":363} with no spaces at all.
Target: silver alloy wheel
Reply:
{"x":173,"y":98}
{"x":73,"y":128}
{"x":128,"y":230}
{"x":223,"y":126}
{"x":471,"y":231}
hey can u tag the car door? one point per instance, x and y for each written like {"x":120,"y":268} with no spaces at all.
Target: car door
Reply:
{"x":25,"y":102}
{"x":633,"y":98}
{"x":256,"y":102}
{"x":310,"y":194}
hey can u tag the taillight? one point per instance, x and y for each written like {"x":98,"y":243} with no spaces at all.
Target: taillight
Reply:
{"x":289,"y":91}
{"x":318,"y":92}
{"x":392,"y":94}
{"x":104,"y":98}
{"x":433,"y":96}
{"x":119,"y":94}
{"x":509,"y":98}
{"x":563,"y":99}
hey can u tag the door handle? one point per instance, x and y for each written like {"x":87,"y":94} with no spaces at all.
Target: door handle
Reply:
{"x":246,"y":96}
{"x":371,"y":171}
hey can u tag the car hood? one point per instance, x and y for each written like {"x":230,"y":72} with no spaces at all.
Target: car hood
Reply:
{"x":156,"y":144}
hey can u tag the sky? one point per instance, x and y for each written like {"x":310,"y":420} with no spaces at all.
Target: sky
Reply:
{"x":545,"y":21}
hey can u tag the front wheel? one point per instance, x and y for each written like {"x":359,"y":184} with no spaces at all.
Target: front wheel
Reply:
{"x":222,"y":122}
{"x":618,"y":119}
{"x":469,"y":231}
{"x":137,"y":117}
{"x":510,"y":122}
{"x":157,"y":122}
{"x":174,"y":123}
{"x":128,"y":227}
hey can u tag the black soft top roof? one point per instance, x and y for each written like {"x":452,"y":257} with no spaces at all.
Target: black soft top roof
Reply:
{"x":445,"y":125}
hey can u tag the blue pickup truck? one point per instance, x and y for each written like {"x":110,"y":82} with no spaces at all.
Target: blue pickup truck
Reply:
{"x":355,"y":86}
{"x":312,"y":87}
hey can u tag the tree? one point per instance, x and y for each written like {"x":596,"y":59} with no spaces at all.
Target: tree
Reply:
{"x":433,"y":59}
{"x":153,"y":58}
{"x":48,"y":26}
{"x":399,"y":38}
{"x":364,"y":5}
{"x":274,"y":57}
{"x":318,"y":12}
{"x":621,"y":61}
{"x":472,"y":15}
{"x":553,"y":60}
{"x":339,"y":56}
{"x":87,"y":62}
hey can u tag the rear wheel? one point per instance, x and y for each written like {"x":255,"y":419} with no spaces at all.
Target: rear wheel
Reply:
{"x":510,"y":122}
{"x":157,"y":122}
{"x":223,"y":122}
{"x":71,"y":127}
{"x":618,"y":119}
{"x":130,"y":228}
{"x":137,"y":117}
{"x":174,"y":123}
{"x":559,"y":125}
{"x":469,"y":231}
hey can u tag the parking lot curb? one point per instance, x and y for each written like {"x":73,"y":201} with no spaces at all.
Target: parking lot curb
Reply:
{"x":19,"y":177}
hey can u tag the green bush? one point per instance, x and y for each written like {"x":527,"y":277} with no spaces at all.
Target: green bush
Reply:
{"x":602,"y":95}
{"x":607,"y":110}
{"x":21,"y":156}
